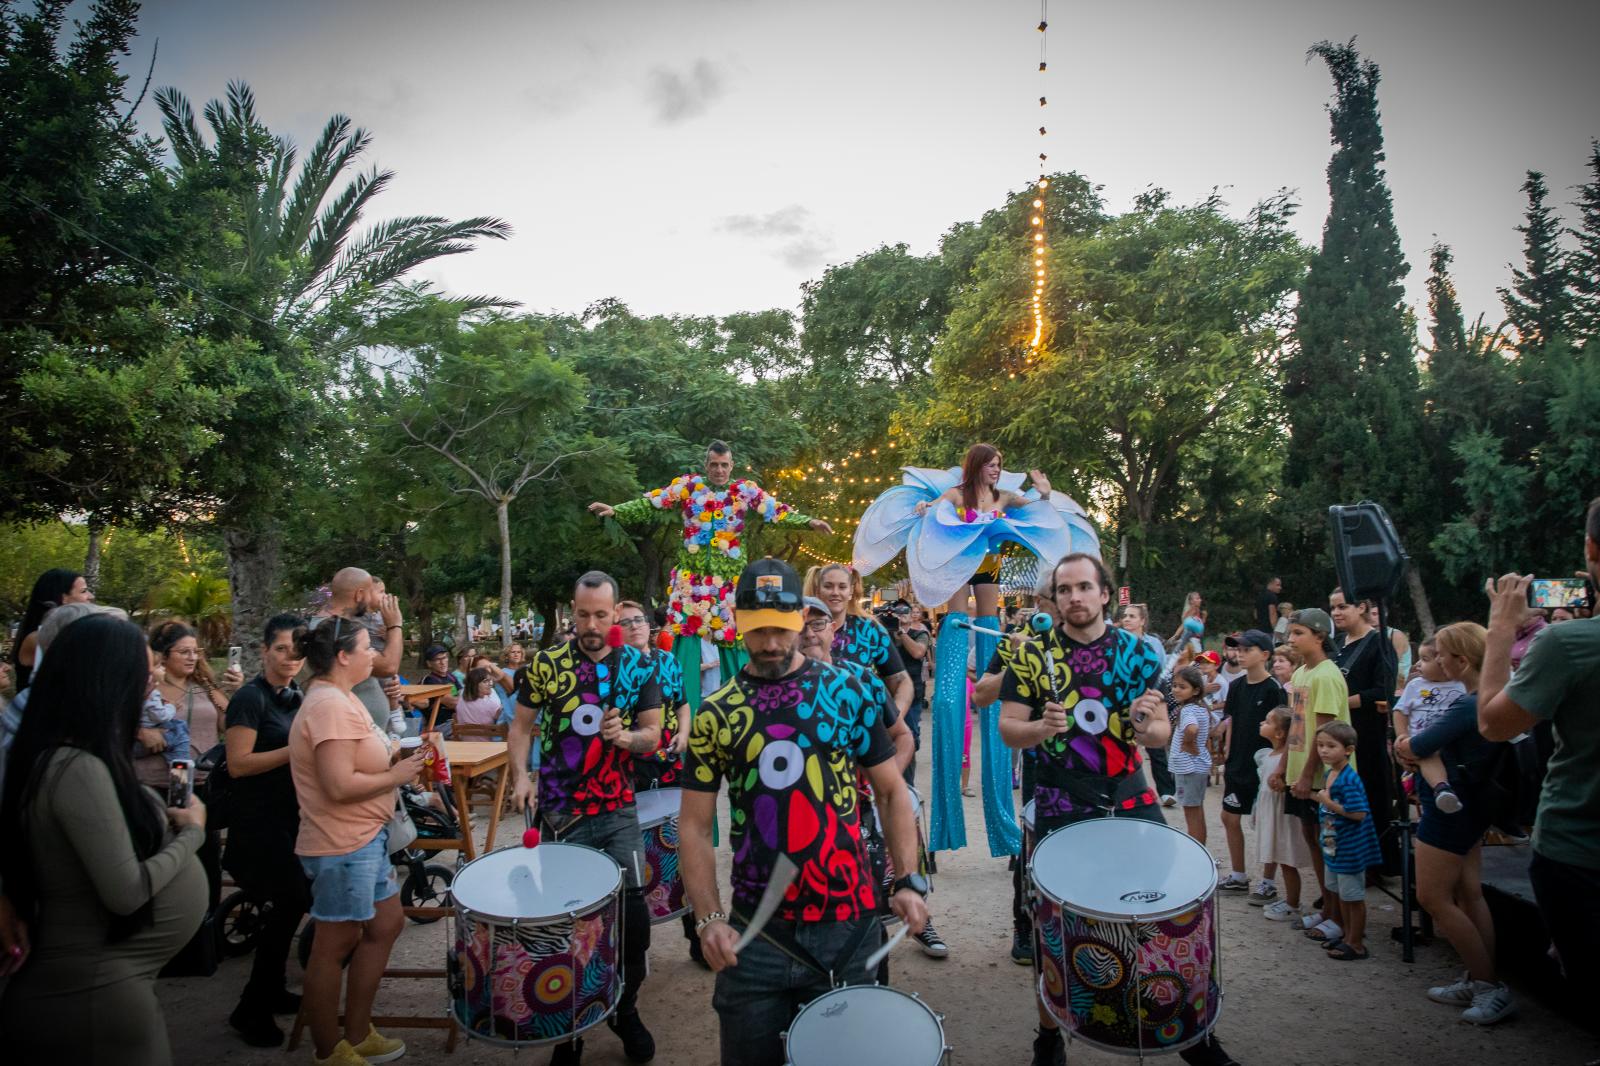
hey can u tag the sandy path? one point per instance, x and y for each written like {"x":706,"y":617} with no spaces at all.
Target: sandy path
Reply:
{"x":1368,"y":1013}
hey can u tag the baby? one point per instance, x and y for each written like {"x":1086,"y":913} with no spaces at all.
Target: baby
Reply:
{"x":1425,"y":699}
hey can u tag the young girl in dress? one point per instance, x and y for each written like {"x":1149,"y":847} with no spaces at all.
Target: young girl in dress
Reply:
{"x":480,"y":704}
{"x":1278,"y":837}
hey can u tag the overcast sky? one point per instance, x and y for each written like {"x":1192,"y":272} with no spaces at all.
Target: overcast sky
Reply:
{"x":709,"y":156}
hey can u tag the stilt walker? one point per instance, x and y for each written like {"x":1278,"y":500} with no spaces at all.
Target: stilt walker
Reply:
{"x":952,"y":525}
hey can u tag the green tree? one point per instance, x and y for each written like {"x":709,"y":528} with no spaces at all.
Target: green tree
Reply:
{"x":199,"y":598}
{"x":1539,"y":301}
{"x":289,"y":268}
{"x":1585,"y":261}
{"x":1350,"y":382}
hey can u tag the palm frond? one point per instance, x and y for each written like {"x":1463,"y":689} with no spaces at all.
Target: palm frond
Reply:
{"x":318,"y":175}
{"x":178,"y":123}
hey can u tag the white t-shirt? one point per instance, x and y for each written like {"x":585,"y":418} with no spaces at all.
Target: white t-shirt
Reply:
{"x":1424,"y":701}
{"x":1180,"y":761}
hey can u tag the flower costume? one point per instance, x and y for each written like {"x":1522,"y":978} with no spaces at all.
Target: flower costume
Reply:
{"x":708,"y":563}
{"x":946,"y":548}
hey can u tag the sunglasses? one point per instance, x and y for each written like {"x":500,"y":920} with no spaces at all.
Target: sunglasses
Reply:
{"x":777,"y":599}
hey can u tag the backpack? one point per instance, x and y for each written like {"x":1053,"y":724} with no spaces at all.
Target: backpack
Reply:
{"x":218,"y":789}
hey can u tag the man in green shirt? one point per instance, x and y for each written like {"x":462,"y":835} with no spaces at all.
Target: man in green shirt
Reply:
{"x":1558,"y":682}
{"x":1317,"y":696}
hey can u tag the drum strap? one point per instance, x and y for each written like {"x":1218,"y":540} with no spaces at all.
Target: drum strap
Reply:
{"x":779,"y":937}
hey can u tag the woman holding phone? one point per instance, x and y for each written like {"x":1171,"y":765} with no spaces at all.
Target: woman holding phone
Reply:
{"x":345,"y":778}
{"x":105,"y":875}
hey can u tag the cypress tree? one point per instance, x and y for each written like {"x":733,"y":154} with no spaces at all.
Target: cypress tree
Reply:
{"x":1585,"y":261}
{"x":1351,"y":382}
{"x":1539,"y":301}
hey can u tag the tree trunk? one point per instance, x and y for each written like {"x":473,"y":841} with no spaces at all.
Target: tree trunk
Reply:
{"x":462,"y":637}
{"x":502,"y":513}
{"x":254,"y":567}
{"x":546,"y":610}
{"x":91,"y":555}
{"x":1419,"y":602}
{"x":423,"y":612}
{"x":650,"y":554}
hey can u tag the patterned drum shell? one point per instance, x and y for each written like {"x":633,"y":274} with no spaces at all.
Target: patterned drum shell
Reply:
{"x":1125,"y":934}
{"x":546,"y":974}
{"x":658,"y":823}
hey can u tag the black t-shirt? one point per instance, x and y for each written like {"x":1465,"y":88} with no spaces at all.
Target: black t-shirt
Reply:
{"x":1264,"y":602}
{"x":270,"y":712}
{"x":789,"y":749}
{"x":918,"y":668}
{"x":1247,"y":708}
{"x":1367,"y":671}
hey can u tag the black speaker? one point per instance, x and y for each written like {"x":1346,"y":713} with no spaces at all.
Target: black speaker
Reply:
{"x":1367,"y":554}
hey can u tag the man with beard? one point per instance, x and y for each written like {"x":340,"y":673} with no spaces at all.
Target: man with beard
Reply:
{"x":1089,"y":764}
{"x":788,"y":733}
{"x":594,"y":709}
{"x":355,"y":594}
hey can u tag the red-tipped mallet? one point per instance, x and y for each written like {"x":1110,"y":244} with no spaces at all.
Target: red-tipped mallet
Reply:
{"x":664,"y":640}
{"x":614,"y":637}
{"x":530,"y":835}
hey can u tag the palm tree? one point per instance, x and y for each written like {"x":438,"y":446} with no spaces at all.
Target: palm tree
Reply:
{"x":286,"y":267}
{"x":200,"y":599}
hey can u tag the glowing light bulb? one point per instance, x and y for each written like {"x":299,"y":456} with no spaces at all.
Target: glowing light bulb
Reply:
{"x":1038,"y":203}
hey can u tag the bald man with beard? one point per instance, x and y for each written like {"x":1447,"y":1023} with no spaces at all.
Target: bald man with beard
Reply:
{"x":357,"y":597}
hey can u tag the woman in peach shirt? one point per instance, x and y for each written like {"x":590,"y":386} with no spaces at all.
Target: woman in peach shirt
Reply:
{"x":346,"y":784}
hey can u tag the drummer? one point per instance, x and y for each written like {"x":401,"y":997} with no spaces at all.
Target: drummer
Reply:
{"x":1086,"y":728}
{"x":788,"y":734}
{"x":594,"y":709}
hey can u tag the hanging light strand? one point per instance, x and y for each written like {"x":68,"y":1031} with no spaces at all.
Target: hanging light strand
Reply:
{"x":1036,"y":216}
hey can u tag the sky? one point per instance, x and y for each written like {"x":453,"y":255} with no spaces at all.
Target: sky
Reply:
{"x":711,"y":156}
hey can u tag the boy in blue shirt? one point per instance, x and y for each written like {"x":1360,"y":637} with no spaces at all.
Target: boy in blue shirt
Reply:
{"x":1349,"y":843}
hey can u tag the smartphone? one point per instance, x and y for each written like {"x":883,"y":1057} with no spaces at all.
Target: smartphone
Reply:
{"x":235,"y":657}
{"x":180,"y":783}
{"x":1558,"y":592}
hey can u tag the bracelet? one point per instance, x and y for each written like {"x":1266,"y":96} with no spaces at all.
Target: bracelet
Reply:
{"x":714,"y":916}
{"x":387,"y":628}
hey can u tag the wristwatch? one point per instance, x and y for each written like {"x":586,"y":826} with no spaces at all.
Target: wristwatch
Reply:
{"x":914,"y":881}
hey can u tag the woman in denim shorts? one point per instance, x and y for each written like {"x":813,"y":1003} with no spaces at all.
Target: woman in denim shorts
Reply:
{"x":346,"y":784}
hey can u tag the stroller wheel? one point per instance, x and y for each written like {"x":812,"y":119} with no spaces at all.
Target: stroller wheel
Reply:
{"x":427,"y":886}
{"x":239,"y":921}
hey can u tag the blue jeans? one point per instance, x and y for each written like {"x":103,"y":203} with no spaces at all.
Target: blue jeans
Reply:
{"x":757,"y":999}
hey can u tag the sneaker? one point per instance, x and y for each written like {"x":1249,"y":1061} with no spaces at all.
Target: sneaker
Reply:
{"x":379,"y":1048}
{"x":1309,"y":920}
{"x":257,"y":1029}
{"x":1234,"y":882}
{"x":1446,"y":800}
{"x":637,"y":1043}
{"x":1280,"y":911}
{"x":932,"y":943}
{"x":1049,"y":1049}
{"x":1022,"y":949}
{"x":1169,"y":801}
{"x":568,"y":1054}
{"x":343,"y":1055}
{"x":1263,"y":894}
{"x":1456,"y":994}
{"x":1491,"y":1002}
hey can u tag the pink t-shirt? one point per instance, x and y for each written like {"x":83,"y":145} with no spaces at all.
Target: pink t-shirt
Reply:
{"x":327,"y":826}
{"x":481,"y":711}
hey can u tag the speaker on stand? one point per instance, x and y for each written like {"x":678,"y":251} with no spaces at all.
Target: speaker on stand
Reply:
{"x":1370,"y":563}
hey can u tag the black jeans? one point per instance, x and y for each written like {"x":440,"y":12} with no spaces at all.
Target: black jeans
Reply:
{"x":280,"y":882}
{"x":1566,"y":896}
{"x":617,"y":834}
{"x":914,"y":723}
{"x":757,"y":999}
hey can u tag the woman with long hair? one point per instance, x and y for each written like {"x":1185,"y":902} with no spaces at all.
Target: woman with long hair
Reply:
{"x":345,"y":776}
{"x":103,"y":871}
{"x":954,"y":525}
{"x":1191,"y":625}
{"x":52,"y":589}
{"x":1449,"y":850}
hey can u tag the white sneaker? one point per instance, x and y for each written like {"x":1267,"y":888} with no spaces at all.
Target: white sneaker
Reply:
{"x":1310,"y":920}
{"x":1456,"y":994}
{"x":1447,"y":801}
{"x":1491,"y":1002}
{"x":1169,"y":801}
{"x":1234,"y":882}
{"x":1280,"y":911}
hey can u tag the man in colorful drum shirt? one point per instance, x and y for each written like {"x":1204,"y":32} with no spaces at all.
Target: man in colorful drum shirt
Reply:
{"x":594,"y":708}
{"x":1084,"y":697}
{"x":788,"y":734}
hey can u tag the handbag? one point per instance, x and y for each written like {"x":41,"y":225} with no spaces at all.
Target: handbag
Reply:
{"x":402,"y":830}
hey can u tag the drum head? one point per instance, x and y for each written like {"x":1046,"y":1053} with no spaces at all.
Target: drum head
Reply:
{"x":536,"y":884}
{"x":1027,"y":815}
{"x":1123,"y":868}
{"x":657,"y":805}
{"x":865,"y":1025}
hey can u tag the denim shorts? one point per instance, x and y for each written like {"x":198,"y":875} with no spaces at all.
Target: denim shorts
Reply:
{"x":347,"y":888}
{"x":1192,"y":788}
{"x":1351,"y":888}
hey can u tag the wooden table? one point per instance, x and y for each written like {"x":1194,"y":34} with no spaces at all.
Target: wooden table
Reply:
{"x":470,"y":759}
{"x":417,"y":695}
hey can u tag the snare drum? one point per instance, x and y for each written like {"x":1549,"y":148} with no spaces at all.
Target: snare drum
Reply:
{"x":537,"y":943}
{"x":866,"y":1025}
{"x":1125,"y":934}
{"x":658,"y":821}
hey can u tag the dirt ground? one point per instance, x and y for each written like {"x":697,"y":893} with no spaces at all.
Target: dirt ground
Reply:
{"x":1284,"y":1003}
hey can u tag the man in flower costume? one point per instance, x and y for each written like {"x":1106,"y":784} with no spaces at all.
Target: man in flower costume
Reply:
{"x":713,"y":509}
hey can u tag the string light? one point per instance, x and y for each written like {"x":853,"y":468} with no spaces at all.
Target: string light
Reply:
{"x":1037,"y":220}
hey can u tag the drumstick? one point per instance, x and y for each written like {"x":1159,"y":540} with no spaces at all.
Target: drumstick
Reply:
{"x":888,"y":946}
{"x":784,"y":872}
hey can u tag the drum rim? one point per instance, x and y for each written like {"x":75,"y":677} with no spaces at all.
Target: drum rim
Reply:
{"x":1106,"y":916}
{"x":542,"y":919}
{"x":502,"y":1041}
{"x":656,"y":823}
{"x":938,"y":1019}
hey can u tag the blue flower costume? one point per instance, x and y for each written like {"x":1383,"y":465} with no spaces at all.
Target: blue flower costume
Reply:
{"x":945,"y":549}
